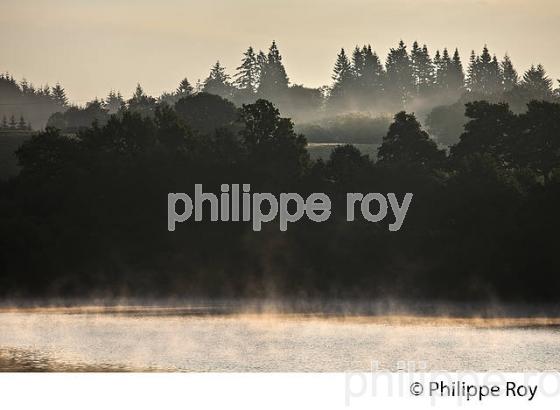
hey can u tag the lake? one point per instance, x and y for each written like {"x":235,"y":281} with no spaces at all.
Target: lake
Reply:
{"x":175,"y":339}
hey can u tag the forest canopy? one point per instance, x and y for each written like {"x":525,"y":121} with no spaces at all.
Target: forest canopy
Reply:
{"x":87,"y":213}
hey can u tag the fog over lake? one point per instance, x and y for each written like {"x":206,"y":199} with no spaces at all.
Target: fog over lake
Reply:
{"x":174,"y":339}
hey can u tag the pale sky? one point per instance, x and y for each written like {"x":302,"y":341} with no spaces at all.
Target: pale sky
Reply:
{"x":92,"y":46}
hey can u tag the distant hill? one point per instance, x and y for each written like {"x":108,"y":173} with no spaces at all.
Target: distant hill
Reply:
{"x":24,"y":100}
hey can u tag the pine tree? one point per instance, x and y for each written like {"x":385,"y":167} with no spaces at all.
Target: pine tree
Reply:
{"x":422,"y":69}
{"x":4,"y":123}
{"x":457,"y":76}
{"x":444,"y":69}
{"x":114,"y":102}
{"x":59,"y":95}
{"x":343,"y":75}
{"x":185,"y":88}
{"x":484,"y":73}
{"x":273,"y":81}
{"x":358,"y":63}
{"x":13,"y":123}
{"x":485,"y":57}
{"x":496,"y":76}
{"x":415,"y":60}
{"x":488,"y":73}
{"x":400,"y":81}
{"x":138,"y":93}
{"x":21,"y":124}
{"x":437,"y":66}
{"x":472,"y":73}
{"x":247,"y":76}
{"x":372,"y":76}
{"x":261,"y":62}
{"x":140,"y":102}
{"x":217,"y":81}
{"x":536,"y":83}
{"x":509,"y":74}
{"x":342,"y":72}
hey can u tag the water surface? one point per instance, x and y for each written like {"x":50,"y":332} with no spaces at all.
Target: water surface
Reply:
{"x":152,"y":339}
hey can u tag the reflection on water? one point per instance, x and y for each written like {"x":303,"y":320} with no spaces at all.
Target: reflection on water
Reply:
{"x":178,"y":340}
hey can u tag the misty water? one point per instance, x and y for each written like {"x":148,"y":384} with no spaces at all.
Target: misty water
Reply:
{"x":152,"y":339}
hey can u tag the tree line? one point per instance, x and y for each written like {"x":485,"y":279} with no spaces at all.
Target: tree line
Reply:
{"x":436,"y":87}
{"x":363,"y":82}
{"x":355,"y":107}
{"x":23,"y":99}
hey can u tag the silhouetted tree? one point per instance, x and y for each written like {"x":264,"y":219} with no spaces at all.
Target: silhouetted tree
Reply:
{"x":358,"y":62}
{"x":509,"y":74}
{"x":456,"y":74}
{"x":371,"y":78}
{"x":444,"y":70}
{"x":59,"y":96}
{"x":272,"y":145}
{"x":422,"y":69}
{"x":141,"y":102}
{"x":536,"y":83}
{"x":399,"y":81}
{"x":406,"y":144}
{"x":273,"y":81}
{"x":484,"y":73}
{"x":472,"y":73}
{"x":247,"y":76}
{"x":218,"y":82}
{"x":488,"y":131}
{"x":205,"y":112}
{"x":21,"y":124}
{"x":343,"y":77}
{"x":185,"y":88}
{"x":114,"y":102}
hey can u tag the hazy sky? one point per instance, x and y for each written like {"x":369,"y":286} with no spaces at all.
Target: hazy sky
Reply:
{"x":94,"y":46}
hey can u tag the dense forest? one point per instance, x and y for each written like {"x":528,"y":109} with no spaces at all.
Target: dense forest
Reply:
{"x":87,"y":214}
